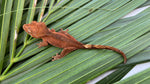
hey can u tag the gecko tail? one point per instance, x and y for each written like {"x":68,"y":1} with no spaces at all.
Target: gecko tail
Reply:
{"x":88,"y":46}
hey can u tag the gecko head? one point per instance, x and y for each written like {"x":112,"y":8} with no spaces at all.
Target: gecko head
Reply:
{"x":36,"y":29}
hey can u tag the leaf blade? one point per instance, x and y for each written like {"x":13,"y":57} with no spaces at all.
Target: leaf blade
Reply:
{"x":5,"y":30}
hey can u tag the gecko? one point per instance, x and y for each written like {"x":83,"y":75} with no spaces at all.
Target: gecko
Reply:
{"x":61,"y":39}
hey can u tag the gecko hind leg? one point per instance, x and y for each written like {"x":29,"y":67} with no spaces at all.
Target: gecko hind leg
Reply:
{"x":64,"y":52}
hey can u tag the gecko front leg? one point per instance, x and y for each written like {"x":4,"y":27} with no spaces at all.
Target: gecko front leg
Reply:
{"x":42,"y":44}
{"x":63,"y":53}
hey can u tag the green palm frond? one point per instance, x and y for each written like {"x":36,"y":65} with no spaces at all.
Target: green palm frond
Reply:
{"x":89,"y":21}
{"x":140,"y":78}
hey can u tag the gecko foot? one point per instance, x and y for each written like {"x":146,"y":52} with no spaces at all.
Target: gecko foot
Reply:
{"x":56,"y":57}
{"x":39,"y":45}
{"x":61,"y":30}
{"x":42,"y":44}
{"x":51,"y":30}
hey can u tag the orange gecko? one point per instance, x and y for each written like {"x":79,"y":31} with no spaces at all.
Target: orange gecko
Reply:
{"x":61,"y":39}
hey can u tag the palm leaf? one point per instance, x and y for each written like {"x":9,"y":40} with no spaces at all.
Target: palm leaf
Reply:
{"x":4,"y":28}
{"x":140,"y":78}
{"x":116,"y":75}
{"x":86,"y":20}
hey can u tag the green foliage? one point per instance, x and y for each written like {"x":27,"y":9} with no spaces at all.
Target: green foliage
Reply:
{"x":140,"y":78}
{"x":89,"y":21}
{"x":116,"y":75}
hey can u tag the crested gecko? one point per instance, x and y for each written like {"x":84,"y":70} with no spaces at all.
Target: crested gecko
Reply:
{"x":61,"y":39}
